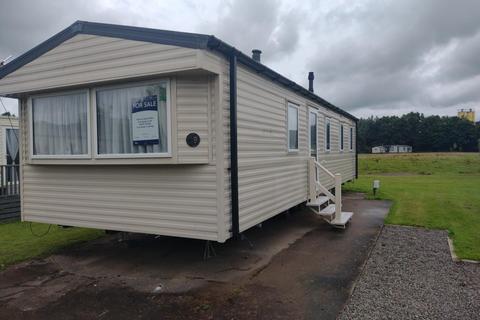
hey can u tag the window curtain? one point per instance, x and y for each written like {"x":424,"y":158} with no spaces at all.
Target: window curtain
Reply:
{"x":313,"y":134}
{"x":60,"y":125}
{"x":11,"y":138}
{"x":114,"y":120}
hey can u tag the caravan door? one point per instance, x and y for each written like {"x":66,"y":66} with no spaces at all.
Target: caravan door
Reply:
{"x":313,"y":133}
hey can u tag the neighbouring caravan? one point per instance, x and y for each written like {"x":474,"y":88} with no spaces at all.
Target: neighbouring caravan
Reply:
{"x":399,"y":149}
{"x":170,"y":133}
{"x":392,"y":149}
{"x":378,"y":149}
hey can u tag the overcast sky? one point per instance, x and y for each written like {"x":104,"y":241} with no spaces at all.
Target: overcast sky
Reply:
{"x":369,"y":57}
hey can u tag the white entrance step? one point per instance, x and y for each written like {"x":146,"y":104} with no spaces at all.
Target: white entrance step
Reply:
{"x":342,"y":220}
{"x":328,"y":211}
{"x":318,"y":201}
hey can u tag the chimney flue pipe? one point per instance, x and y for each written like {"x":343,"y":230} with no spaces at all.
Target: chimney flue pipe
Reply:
{"x":256,"y":54}
{"x":310,"y":81}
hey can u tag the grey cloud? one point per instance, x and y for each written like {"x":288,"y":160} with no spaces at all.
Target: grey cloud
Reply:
{"x":250,"y":24}
{"x":367,"y":55}
{"x":24,"y":24}
{"x":463,"y":62}
{"x":375,"y":58}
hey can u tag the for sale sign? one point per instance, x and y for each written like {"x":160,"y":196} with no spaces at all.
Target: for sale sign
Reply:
{"x":145,"y":121}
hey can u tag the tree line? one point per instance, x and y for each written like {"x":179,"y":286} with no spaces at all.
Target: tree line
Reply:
{"x":424,"y":134}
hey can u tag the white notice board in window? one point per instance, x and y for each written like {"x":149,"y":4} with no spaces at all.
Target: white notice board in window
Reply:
{"x":145,"y":121}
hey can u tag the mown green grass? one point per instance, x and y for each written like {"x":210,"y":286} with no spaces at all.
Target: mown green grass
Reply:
{"x":17,"y":243}
{"x":437,"y":191}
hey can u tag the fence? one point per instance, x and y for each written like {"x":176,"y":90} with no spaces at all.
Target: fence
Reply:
{"x":9,"y":192}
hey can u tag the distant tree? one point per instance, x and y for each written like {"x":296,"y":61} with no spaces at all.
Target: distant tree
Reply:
{"x":432,"y":133}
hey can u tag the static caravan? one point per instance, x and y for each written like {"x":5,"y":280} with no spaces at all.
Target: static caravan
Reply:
{"x":379,"y":149}
{"x":170,"y":133}
{"x":399,"y":148}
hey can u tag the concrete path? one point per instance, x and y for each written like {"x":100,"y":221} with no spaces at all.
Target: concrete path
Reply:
{"x":297,"y":267}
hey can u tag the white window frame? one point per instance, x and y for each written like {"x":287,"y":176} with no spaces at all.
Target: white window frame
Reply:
{"x":351,"y":138}
{"x":329,"y":136}
{"x":88,"y":155}
{"x":341,"y":137}
{"x":293,"y":105}
{"x":314,"y":111}
{"x":167,"y":154}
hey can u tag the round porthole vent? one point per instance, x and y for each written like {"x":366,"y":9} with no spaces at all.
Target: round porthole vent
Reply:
{"x":193,"y":139}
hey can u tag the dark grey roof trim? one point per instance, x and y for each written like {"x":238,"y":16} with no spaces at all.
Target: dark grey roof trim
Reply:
{"x":174,"y":38}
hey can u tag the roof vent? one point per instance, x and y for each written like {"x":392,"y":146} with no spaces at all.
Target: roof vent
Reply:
{"x":310,"y":81}
{"x":256,"y":55}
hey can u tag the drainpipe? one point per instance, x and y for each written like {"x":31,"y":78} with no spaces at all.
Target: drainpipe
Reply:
{"x":233,"y":145}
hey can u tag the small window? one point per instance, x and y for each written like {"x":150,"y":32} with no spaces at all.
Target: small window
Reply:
{"x":292,"y":127}
{"x":341,"y":137}
{"x":133,"y":121}
{"x":60,"y":125}
{"x":312,"y":119}
{"x":351,"y":138}
{"x":327,"y":134}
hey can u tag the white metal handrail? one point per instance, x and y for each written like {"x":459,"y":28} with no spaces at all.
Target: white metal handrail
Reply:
{"x":314,"y":183}
{"x":319,"y":165}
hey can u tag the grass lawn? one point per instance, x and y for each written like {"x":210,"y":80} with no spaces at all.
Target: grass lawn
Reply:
{"x":432,"y":190}
{"x":17,"y":243}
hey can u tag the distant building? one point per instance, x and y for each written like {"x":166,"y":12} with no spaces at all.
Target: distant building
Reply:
{"x":379,"y":149}
{"x":468,"y":114}
{"x":392,"y":149}
{"x":399,"y":148}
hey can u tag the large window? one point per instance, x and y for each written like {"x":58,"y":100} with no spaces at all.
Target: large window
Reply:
{"x":327,"y":134}
{"x":292,"y":127}
{"x":342,"y":138}
{"x":133,"y":120}
{"x":60,"y":125}
{"x":128,"y":121}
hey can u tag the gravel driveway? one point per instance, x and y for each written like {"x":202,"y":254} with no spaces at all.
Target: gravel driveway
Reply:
{"x":411,"y":275}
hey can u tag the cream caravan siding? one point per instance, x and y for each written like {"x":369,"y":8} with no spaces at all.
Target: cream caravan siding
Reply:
{"x":193,"y":101}
{"x":176,"y":200}
{"x":335,"y":160}
{"x":5,"y":123}
{"x":87,"y":59}
{"x":271,"y":179}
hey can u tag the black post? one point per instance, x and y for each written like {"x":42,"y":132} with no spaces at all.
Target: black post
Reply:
{"x":356,"y":149}
{"x":234,"y":145}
